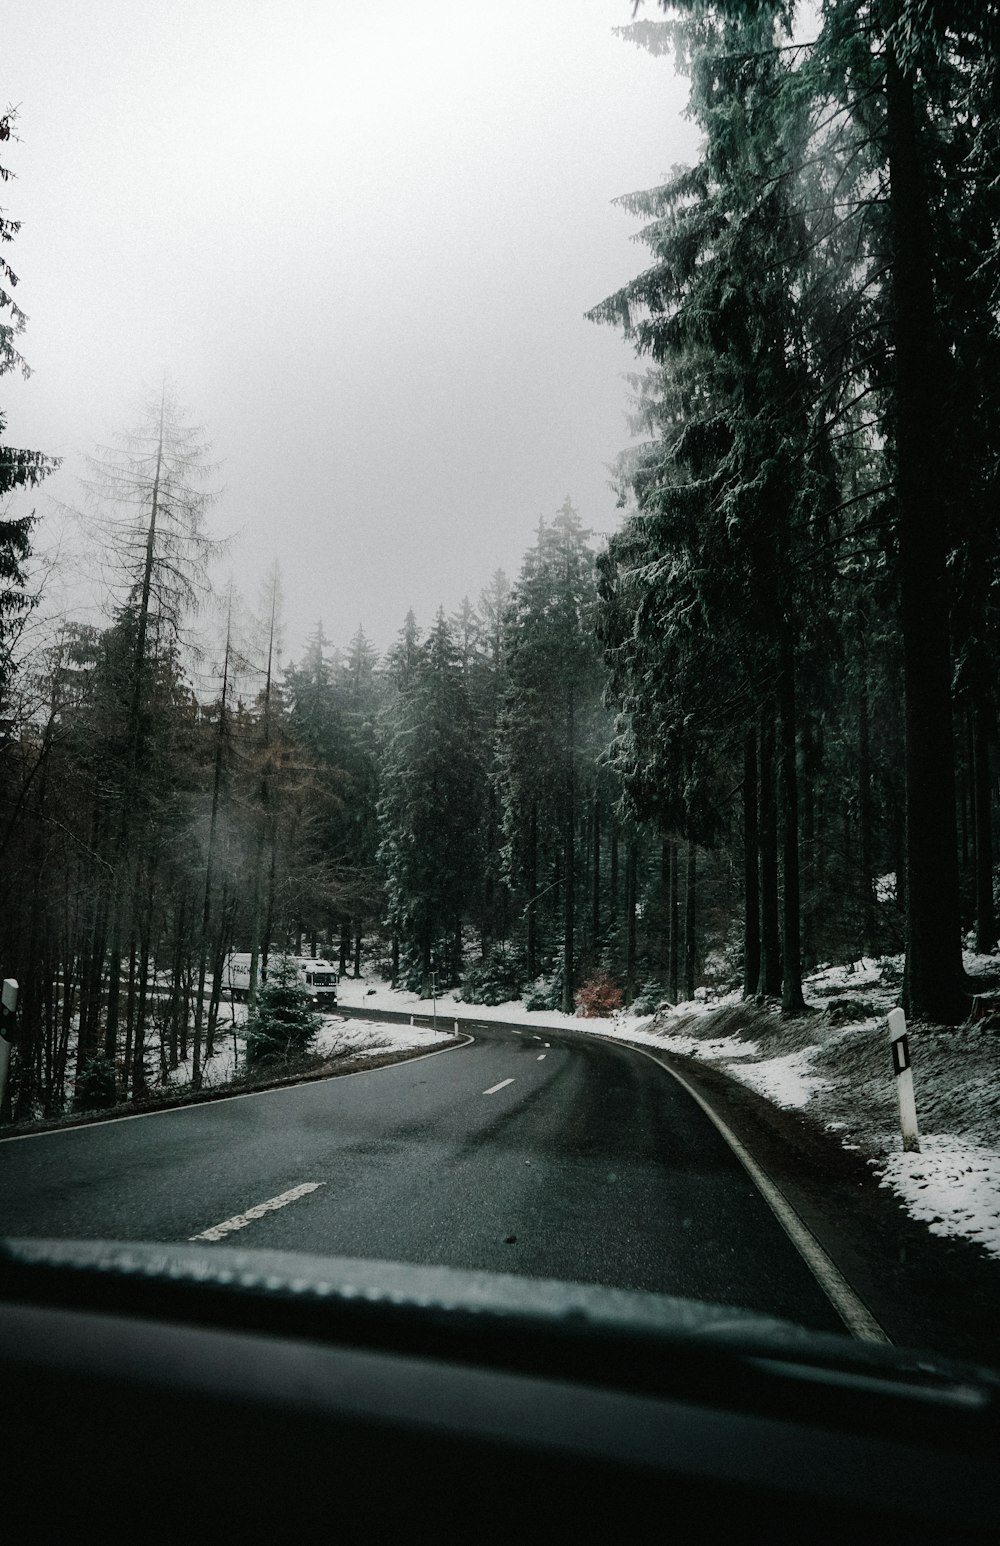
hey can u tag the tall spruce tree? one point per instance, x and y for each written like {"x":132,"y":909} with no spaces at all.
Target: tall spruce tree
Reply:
{"x":727,"y":481}
{"x":19,"y":469}
{"x":552,"y":693}
{"x":430,"y":806}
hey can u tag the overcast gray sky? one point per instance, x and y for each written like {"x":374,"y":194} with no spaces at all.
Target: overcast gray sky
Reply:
{"x":360,"y":237}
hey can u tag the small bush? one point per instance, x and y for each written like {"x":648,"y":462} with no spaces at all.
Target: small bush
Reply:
{"x":283,"y":1024}
{"x":598,"y":997}
{"x":96,"y":1084}
{"x":494,"y":980}
{"x":649,"y":999}
{"x":545,"y":992}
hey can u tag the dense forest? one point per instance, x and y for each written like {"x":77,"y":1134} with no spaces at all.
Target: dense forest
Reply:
{"x":753,"y":731}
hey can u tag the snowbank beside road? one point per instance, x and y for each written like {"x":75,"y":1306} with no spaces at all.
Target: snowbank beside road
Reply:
{"x":337,"y":1038}
{"x":362,"y":994}
{"x":835,"y":1064}
{"x":953,"y":1186}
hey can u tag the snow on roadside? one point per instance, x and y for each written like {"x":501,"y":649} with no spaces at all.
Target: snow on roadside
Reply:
{"x":336,"y":1038}
{"x":362,"y":994}
{"x":951,"y":1185}
{"x":369,"y":1038}
{"x":785,"y":1080}
{"x":837,"y":1064}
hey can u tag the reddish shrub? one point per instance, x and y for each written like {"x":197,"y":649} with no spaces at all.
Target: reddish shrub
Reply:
{"x":598,"y":997}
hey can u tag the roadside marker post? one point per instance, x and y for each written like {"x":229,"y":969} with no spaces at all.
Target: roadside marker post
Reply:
{"x":901,"y":1067}
{"x":8,"y":1028}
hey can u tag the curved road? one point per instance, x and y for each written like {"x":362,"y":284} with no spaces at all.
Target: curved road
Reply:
{"x":543,"y":1153}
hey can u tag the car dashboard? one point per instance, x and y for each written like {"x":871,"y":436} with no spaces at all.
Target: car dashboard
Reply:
{"x":156,"y":1388}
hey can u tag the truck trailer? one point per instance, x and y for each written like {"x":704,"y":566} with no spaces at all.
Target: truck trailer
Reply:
{"x":318,"y":977}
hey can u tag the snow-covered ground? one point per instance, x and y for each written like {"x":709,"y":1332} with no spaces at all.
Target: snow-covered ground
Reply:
{"x":379,"y":995}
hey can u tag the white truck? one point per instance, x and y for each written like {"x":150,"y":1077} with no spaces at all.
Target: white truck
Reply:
{"x":318,"y":977}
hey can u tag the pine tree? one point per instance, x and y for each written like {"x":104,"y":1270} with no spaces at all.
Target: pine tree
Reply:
{"x":430,"y":808}
{"x":152,"y":509}
{"x":282,"y":1026}
{"x":547,"y":724}
{"x":19,"y":469}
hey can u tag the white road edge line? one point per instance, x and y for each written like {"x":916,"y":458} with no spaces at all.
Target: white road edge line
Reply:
{"x":494,"y":1087}
{"x":220,"y":1100}
{"x":241,"y":1220}
{"x":855,"y":1315}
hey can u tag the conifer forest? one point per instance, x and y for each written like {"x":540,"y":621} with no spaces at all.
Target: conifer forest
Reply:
{"x":751,"y":730}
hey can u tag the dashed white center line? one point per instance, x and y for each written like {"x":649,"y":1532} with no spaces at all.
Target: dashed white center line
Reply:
{"x":494,"y":1087}
{"x":241,"y":1220}
{"x":540,"y":1058}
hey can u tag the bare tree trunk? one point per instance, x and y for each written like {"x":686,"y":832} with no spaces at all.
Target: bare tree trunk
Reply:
{"x":265,"y":817}
{"x":769,"y":976}
{"x":811,"y":885}
{"x":986,"y":928}
{"x":135,"y":740}
{"x":137,"y":1023}
{"x":665,"y":911}
{"x":177,"y":982}
{"x":751,"y":870}
{"x":631,"y":860}
{"x":865,"y":820}
{"x":965,"y":794}
{"x":690,"y":919}
{"x":139,"y":1060}
{"x":206,"y":909}
{"x":792,"y":1001}
{"x":531,"y":922}
{"x":269,"y":908}
{"x":569,"y":895}
{"x":223,"y":944}
{"x":613,"y":877}
{"x":133,"y":948}
{"x":933,"y":987}
{"x":595,"y":892}
{"x":675,"y":931}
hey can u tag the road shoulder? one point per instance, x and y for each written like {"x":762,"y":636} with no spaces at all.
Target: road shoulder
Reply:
{"x":925,"y":1290}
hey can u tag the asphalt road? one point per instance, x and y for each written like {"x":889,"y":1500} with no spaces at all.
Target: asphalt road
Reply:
{"x":548,"y":1154}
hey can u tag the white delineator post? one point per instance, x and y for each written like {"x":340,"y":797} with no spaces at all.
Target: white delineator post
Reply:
{"x":900,"y":1043}
{"x":8,"y":1005}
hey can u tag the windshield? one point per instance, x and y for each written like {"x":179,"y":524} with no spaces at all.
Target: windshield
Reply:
{"x":498,"y":644}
